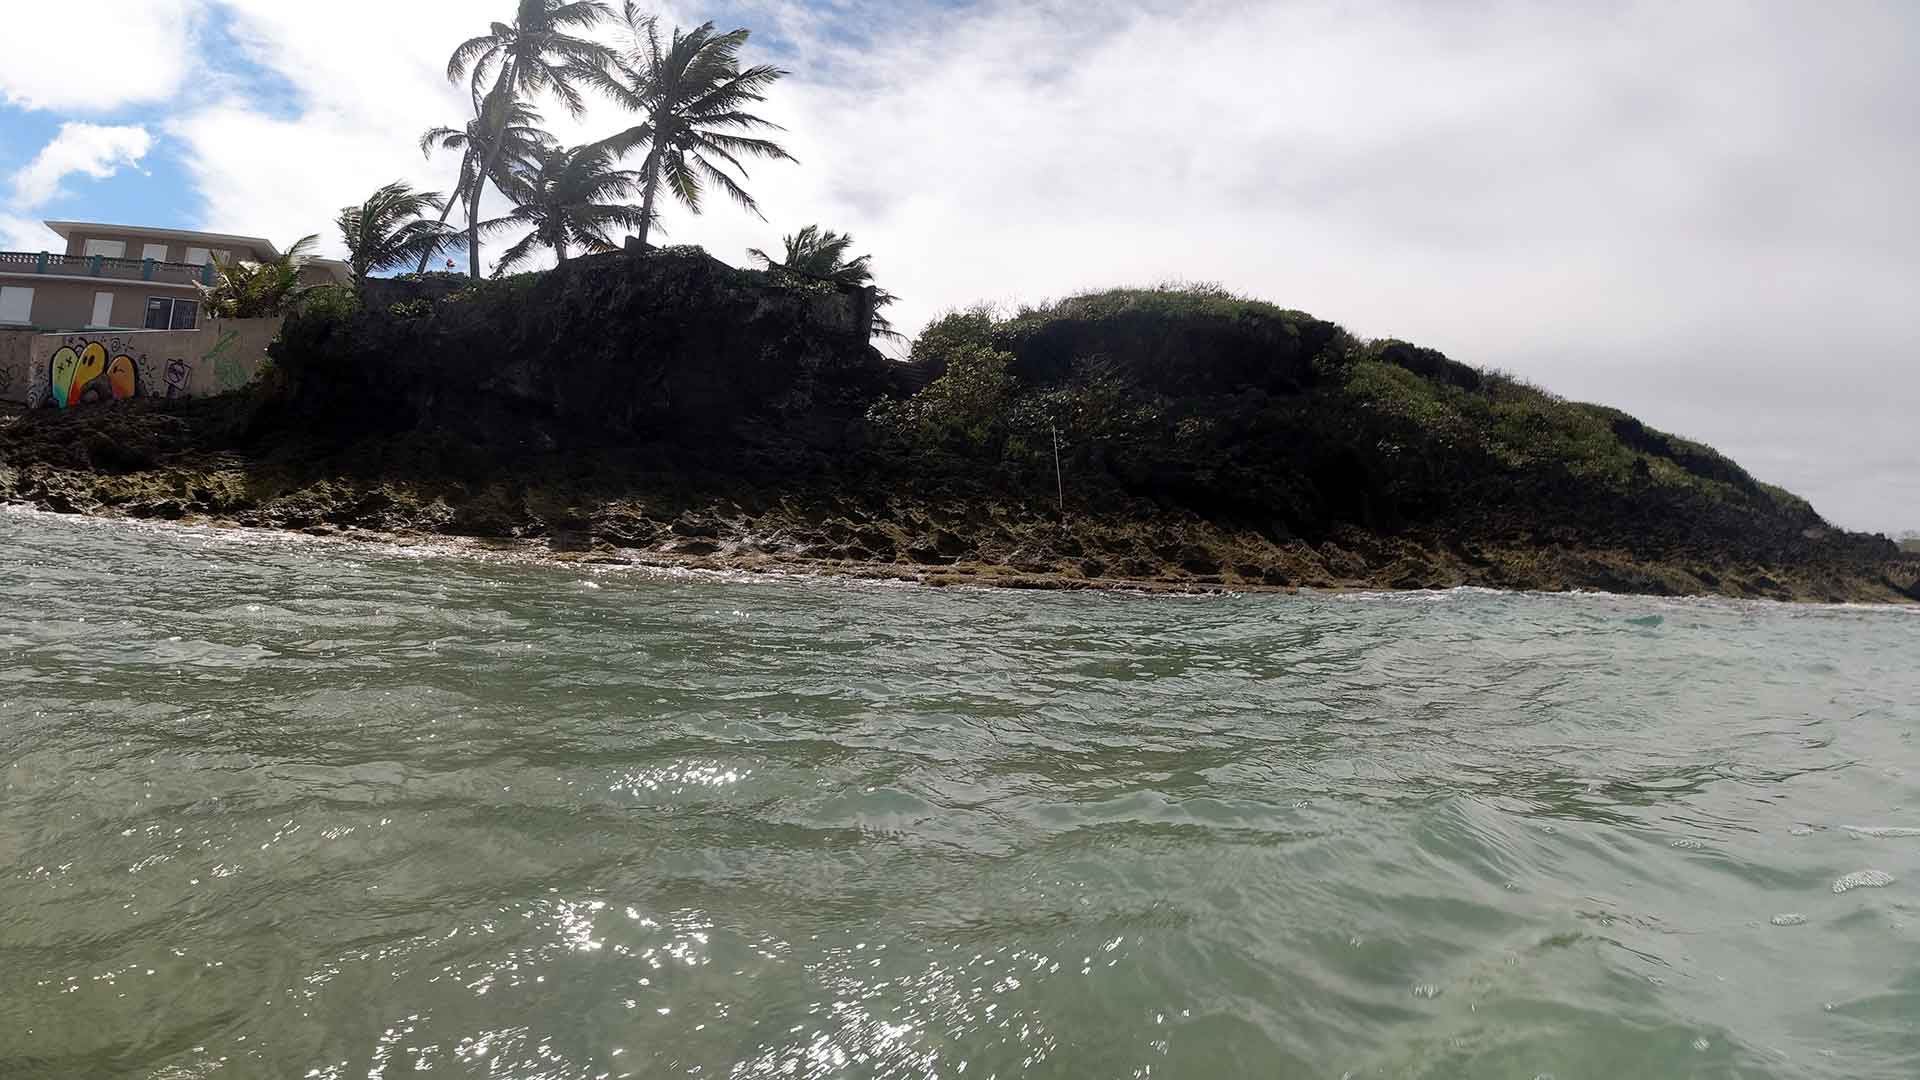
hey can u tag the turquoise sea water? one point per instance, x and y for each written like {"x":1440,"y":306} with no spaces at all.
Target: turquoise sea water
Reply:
{"x":279,"y":807}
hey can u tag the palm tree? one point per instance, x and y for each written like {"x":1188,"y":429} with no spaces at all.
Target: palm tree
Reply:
{"x":821,"y":255}
{"x":534,"y":54}
{"x":253,"y":290}
{"x":567,"y":197}
{"x":693,"y":96}
{"x":391,"y":230}
{"x":511,"y":125}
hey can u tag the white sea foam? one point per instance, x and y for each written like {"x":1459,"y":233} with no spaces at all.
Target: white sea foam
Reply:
{"x":1863,"y":879}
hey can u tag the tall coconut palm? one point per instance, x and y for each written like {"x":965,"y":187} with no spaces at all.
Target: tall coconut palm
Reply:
{"x":821,"y":255}
{"x":391,"y":230}
{"x":566,"y":198}
{"x":539,"y":52}
{"x":692,"y":95}
{"x":512,"y":125}
{"x":244,"y":289}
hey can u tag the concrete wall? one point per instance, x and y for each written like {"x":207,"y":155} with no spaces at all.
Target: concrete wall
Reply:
{"x":100,"y":366}
{"x":16,"y":364}
{"x":60,"y":304}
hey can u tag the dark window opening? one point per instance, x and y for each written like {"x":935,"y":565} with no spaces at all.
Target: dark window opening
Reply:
{"x":166,"y":313}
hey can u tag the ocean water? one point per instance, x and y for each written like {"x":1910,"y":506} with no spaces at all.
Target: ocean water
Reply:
{"x":281,"y":807}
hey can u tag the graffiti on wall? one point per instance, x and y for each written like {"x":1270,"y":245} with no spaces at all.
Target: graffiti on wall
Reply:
{"x":59,"y":371}
{"x":179,"y":374}
{"x":83,"y":371}
{"x":228,"y":371}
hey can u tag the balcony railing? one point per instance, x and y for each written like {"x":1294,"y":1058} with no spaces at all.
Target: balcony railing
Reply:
{"x":101,"y":266}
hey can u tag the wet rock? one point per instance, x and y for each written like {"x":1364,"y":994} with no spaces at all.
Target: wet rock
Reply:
{"x":1030,"y":561}
{"x":927,"y":553}
{"x":1197,"y":560}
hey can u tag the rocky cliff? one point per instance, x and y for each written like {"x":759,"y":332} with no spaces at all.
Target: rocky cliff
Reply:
{"x":663,"y":406}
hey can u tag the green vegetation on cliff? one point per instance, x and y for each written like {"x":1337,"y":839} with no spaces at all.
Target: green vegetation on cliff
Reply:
{"x":1235,"y":407}
{"x":669,"y":404}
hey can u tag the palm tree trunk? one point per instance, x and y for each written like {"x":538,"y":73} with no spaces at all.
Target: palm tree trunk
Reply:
{"x":446,"y":208}
{"x":473,"y":232}
{"x":652,"y":171}
{"x":497,"y":143}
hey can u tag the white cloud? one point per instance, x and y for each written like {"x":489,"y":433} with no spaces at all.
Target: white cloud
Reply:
{"x":97,"y":54}
{"x":1698,"y":212}
{"x":360,"y":112}
{"x":25,"y":234}
{"x":90,"y":149}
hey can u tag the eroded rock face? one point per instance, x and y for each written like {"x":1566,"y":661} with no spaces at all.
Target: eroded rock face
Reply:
{"x":616,"y":347}
{"x":667,"y":405}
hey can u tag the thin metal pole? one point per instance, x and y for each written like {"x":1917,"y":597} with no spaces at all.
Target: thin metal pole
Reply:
{"x":1060,"y":486}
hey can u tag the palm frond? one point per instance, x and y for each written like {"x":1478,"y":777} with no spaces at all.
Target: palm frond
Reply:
{"x":465,"y":53}
{"x":727,"y":184}
{"x":517,"y":254}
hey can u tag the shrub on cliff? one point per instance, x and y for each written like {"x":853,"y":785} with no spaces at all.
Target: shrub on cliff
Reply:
{"x":966,"y":407}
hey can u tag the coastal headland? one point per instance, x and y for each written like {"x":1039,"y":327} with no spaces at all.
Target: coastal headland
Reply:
{"x":658,"y":406}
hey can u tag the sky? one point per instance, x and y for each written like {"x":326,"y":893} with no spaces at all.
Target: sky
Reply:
{"x":1703,"y":213}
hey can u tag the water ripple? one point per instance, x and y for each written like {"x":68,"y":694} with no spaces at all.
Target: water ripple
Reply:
{"x":285,"y":807}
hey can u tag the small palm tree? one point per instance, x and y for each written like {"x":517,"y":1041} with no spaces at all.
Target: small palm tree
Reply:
{"x":567,"y":198}
{"x":539,"y":52}
{"x":693,"y":96}
{"x":391,"y":229}
{"x":821,"y":255}
{"x":515,"y":127}
{"x":256,"y":290}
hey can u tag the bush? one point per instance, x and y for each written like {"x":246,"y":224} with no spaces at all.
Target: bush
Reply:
{"x":411,"y":309}
{"x":328,"y":302}
{"x":966,"y":406}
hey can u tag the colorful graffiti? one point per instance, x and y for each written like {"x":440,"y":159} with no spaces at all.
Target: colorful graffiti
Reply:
{"x":86,"y":374}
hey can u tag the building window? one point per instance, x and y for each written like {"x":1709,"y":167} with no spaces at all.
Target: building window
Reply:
{"x":196,"y":257}
{"x":166,"y":313}
{"x":16,"y":304}
{"x":112,"y":249}
{"x":102,"y":311}
{"x":156,"y":252}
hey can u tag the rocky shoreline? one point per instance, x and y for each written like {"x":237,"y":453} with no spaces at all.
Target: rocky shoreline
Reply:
{"x":909,"y":538}
{"x":662,"y":408}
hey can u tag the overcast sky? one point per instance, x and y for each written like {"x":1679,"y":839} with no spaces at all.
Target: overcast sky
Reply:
{"x":1701,"y":212}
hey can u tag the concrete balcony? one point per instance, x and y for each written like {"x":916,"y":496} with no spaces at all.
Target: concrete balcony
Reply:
{"x":100,"y":266}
